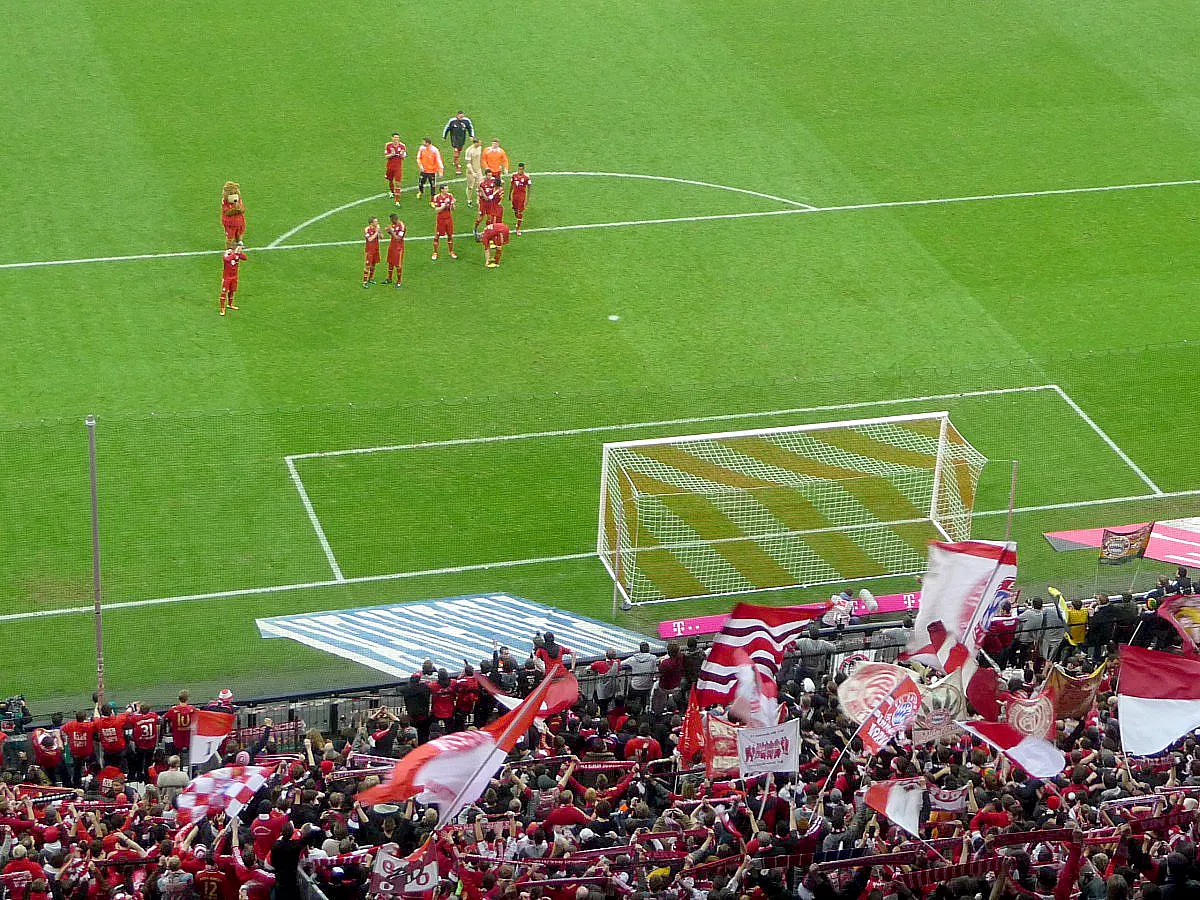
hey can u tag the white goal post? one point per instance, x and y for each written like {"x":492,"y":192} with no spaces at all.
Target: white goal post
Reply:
{"x":767,"y":509}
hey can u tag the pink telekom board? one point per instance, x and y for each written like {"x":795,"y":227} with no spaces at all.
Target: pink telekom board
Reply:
{"x":697,"y":625}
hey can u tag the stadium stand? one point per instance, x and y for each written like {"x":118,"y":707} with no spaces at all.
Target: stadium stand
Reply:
{"x":601,"y":804}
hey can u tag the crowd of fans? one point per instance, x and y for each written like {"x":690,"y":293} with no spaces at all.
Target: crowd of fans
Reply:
{"x":600,"y":804}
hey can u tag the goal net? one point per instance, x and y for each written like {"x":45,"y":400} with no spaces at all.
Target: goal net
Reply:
{"x":715,"y":514}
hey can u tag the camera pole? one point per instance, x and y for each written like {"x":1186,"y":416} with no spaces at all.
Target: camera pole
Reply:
{"x":97,"y":609}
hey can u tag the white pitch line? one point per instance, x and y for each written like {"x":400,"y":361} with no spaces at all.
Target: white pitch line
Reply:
{"x":691,"y":420}
{"x":479,"y":567}
{"x":316,"y":523}
{"x":1108,"y":440}
{"x":708,"y":184}
{"x":307,"y":585}
{"x":751,"y":215}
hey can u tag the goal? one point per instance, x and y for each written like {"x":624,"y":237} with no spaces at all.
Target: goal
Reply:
{"x":714,"y":514}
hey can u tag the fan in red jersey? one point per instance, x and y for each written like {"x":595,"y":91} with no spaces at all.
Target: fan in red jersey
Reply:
{"x":179,"y":719}
{"x":233,"y":213}
{"x":231,"y":261}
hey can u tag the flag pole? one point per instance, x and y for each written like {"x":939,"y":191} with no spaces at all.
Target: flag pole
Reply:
{"x":1012,"y":502}
{"x":508,"y":734}
{"x":97,"y":608}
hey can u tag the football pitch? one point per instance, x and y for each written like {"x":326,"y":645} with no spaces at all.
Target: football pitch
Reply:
{"x":741,"y":216}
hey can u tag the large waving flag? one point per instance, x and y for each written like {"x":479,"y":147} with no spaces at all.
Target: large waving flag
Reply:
{"x":964,"y":585}
{"x":1035,"y":755}
{"x":226,"y":790}
{"x":1158,"y":699}
{"x":762,"y":633}
{"x":209,"y":730}
{"x":453,"y":771}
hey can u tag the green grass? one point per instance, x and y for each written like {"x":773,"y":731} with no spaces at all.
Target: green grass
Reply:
{"x":127,"y":125}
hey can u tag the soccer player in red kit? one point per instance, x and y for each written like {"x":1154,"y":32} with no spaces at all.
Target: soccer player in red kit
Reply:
{"x":371,"y":237}
{"x":231,"y":260}
{"x":495,"y":236}
{"x":233,"y":213}
{"x":491,"y":198}
{"x":518,"y":187}
{"x":395,"y":152}
{"x":443,"y":202}
{"x":395,"y":232}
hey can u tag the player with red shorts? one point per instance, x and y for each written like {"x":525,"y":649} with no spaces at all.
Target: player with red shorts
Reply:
{"x":371,"y":236}
{"x":518,"y":187}
{"x":443,"y":202}
{"x":395,"y":152}
{"x":231,"y":260}
{"x":233,"y":213}
{"x":495,"y":236}
{"x":395,"y":232}
{"x":491,"y":199}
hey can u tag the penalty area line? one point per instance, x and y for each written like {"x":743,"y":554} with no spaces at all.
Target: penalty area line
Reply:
{"x":506,"y":564}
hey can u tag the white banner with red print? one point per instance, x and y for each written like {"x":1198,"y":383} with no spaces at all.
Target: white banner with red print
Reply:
{"x":774,"y":748}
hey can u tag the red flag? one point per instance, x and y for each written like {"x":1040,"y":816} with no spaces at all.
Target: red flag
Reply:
{"x":691,"y":737}
{"x":900,"y":800}
{"x":761,"y":632}
{"x":1158,"y":699}
{"x":1037,"y":756}
{"x":454,"y":770}
{"x":563,"y":694}
{"x":209,"y":730}
{"x":720,"y":748}
{"x":893,"y":714}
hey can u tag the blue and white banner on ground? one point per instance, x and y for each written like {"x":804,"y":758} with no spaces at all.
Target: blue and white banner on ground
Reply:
{"x":396,"y":638}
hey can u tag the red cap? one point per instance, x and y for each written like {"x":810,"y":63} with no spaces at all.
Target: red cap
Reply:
{"x":50,"y":835}
{"x":326,"y":766}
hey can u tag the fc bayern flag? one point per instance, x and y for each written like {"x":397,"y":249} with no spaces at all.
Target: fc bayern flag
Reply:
{"x":1120,"y":547}
{"x":965,"y":584}
{"x":894,"y":714}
